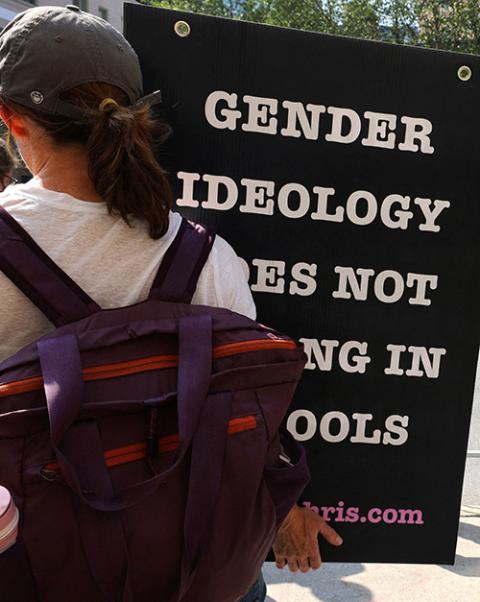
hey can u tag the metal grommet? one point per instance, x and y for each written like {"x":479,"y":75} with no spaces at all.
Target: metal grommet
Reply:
{"x":37,"y":97}
{"x":182,"y":29}
{"x":464,"y":73}
{"x":59,"y":39}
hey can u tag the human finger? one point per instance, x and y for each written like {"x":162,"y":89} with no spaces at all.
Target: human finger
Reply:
{"x":303,"y":564}
{"x":328,"y":533}
{"x":280,"y":562}
{"x":315,"y":558}
{"x":292,"y":564}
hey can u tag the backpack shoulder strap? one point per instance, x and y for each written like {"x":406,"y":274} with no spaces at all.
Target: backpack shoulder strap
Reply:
{"x":177,"y":276}
{"x":39,"y":277}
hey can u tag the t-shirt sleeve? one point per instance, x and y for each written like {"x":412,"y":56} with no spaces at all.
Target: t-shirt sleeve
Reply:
{"x":224,"y":281}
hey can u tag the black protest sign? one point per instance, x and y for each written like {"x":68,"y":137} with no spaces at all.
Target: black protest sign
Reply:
{"x":345,"y":173}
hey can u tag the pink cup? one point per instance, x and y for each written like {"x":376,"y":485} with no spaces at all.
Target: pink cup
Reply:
{"x":8,"y":520}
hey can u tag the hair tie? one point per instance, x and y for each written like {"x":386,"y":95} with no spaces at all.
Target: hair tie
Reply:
{"x":106,"y":102}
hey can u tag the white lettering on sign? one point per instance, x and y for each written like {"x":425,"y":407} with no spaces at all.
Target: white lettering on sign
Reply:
{"x":352,"y":355}
{"x":337,"y":427}
{"x":341,"y":125}
{"x":388,"y":285}
{"x":270,"y":276}
{"x":295,"y":201}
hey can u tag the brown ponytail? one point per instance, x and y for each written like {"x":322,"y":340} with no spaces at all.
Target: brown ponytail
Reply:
{"x":119,"y":141}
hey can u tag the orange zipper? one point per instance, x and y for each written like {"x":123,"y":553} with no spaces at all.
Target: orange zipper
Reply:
{"x":137,"y":451}
{"x":154,"y":362}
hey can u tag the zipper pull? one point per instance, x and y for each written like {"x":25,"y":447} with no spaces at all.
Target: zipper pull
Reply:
{"x":49,"y":475}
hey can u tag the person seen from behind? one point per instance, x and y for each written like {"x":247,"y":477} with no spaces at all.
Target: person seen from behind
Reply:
{"x":101,"y":206}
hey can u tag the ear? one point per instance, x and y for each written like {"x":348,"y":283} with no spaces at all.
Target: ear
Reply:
{"x":14,"y":122}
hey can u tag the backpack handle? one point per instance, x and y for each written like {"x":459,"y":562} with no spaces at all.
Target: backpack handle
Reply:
{"x":64,"y":390}
{"x":203,"y":425}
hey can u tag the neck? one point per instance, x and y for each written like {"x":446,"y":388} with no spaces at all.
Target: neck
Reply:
{"x":63,"y":170}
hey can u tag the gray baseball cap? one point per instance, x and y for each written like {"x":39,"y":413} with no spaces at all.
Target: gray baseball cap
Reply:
{"x":47,"y":50}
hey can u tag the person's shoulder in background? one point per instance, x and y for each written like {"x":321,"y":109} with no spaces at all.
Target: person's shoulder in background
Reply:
{"x":12,"y":194}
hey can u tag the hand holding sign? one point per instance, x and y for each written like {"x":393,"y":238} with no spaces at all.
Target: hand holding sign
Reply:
{"x":296,"y":543}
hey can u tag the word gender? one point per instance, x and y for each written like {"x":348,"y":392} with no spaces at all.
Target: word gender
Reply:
{"x":341,"y":125}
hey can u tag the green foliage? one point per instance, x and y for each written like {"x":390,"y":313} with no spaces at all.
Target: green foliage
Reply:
{"x":450,"y":25}
{"x":453,"y":25}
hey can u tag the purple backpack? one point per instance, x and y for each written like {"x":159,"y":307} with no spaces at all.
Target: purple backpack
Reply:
{"x":143,"y":445}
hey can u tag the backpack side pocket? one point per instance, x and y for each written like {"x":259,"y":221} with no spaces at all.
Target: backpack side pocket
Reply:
{"x":288,"y":477}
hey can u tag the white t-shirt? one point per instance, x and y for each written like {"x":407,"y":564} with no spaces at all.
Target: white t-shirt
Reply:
{"x":113,"y":263}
